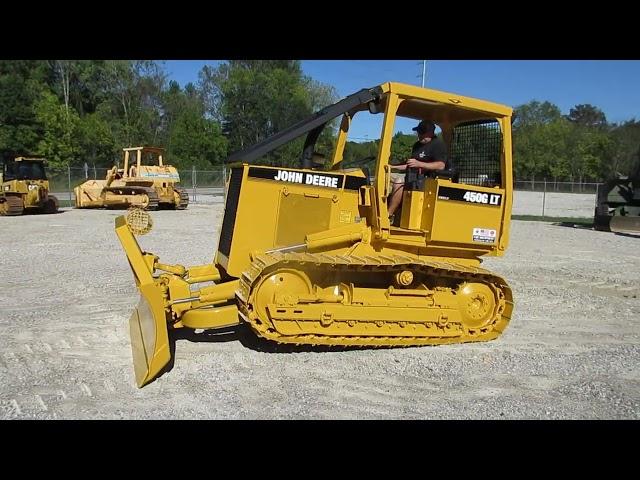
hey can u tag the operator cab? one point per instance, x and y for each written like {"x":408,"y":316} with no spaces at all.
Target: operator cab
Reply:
{"x":463,"y":206}
{"x":24,"y":168}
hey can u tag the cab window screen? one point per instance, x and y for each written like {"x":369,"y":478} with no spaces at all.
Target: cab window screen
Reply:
{"x":476,"y":149}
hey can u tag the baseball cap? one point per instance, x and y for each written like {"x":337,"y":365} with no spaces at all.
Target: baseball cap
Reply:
{"x":425,"y":126}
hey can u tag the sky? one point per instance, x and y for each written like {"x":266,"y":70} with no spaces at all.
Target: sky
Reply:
{"x":611,"y":85}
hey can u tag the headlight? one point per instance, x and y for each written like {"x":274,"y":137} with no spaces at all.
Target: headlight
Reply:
{"x":7,"y":188}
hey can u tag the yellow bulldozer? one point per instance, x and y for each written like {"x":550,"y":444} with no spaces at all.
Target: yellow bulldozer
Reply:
{"x":308,"y":255}
{"x":25,"y":187}
{"x":144,"y":182}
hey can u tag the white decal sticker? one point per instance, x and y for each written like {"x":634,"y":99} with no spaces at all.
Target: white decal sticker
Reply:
{"x":484,"y":235}
{"x":306,"y":178}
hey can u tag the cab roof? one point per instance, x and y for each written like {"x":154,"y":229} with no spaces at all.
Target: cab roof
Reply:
{"x":439,"y":106}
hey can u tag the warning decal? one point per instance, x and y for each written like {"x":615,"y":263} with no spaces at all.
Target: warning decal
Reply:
{"x":484,"y":235}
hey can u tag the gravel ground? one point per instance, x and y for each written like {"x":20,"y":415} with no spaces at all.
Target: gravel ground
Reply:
{"x":572,"y":350}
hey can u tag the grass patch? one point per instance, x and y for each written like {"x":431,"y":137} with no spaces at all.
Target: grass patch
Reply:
{"x":577,"y":221}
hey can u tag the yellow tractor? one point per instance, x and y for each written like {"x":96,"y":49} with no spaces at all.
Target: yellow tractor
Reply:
{"x":144,"y":182}
{"x":25,"y":187}
{"x":308,"y":255}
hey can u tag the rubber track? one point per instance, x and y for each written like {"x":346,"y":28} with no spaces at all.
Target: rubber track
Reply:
{"x":264,"y":264}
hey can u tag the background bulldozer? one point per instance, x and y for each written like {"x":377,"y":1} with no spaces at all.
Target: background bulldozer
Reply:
{"x":25,"y":187}
{"x":144,"y":182}
{"x":308,"y":255}
{"x":618,"y":204}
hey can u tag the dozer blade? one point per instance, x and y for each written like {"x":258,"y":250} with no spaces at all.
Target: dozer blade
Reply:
{"x":148,"y":322}
{"x":149,"y":339}
{"x":625,"y":224}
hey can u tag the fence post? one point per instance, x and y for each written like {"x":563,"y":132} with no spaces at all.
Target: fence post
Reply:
{"x":544,"y":195}
{"x":69,"y":183}
{"x":194,"y":182}
{"x":95,"y":173}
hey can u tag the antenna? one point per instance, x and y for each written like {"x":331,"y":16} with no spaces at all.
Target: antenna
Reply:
{"x":424,"y":72}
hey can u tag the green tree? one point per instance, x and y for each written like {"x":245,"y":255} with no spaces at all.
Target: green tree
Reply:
{"x":578,"y":146}
{"x":21,"y":83}
{"x":355,"y":152}
{"x":258,"y":98}
{"x":539,"y":141}
{"x":626,"y":149}
{"x":195,"y":140}
{"x":135,"y":89}
{"x":591,"y":155}
{"x":559,"y":156}
{"x":97,"y":143}
{"x":59,"y":140}
{"x":401,"y":146}
{"x":535,"y":113}
{"x":587,"y":115}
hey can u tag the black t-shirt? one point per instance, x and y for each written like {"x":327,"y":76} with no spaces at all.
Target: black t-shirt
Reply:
{"x":432,"y":151}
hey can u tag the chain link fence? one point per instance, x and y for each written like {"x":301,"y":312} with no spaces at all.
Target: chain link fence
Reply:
{"x":202,"y":185}
{"x":554,"y":186}
{"x":551,"y":199}
{"x":535,"y":198}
